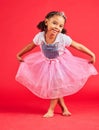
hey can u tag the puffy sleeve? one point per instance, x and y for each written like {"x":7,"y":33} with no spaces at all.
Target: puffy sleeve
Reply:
{"x":37,"y":39}
{"x":66,"y":40}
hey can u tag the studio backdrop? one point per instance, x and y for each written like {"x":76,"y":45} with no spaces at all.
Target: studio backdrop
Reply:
{"x":19,"y":19}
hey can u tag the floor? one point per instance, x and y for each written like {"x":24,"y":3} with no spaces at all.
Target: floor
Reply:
{"x":27,"y":115}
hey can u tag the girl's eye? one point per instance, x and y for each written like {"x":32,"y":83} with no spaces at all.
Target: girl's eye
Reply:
{"x":54,"y":23}
{"x":61,"y":26}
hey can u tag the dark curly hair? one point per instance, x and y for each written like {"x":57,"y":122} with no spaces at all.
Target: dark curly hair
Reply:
{"x":42,"y":25}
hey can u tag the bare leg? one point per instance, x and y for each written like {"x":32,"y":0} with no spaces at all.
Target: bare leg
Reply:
{"x":65,"y":111}
{"x":50,"y":112}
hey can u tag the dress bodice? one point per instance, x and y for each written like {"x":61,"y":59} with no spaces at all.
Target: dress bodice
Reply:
{"x":50,"y":50}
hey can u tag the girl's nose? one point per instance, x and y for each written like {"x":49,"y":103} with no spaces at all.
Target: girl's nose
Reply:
{"x":57,"y":27}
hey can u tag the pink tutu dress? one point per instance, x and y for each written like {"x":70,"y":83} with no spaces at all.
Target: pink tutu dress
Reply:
{"x":54,"y":72}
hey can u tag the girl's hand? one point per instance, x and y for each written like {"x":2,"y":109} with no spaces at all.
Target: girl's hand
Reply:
{"x":93,"y":59}
{"x":20,"y":58}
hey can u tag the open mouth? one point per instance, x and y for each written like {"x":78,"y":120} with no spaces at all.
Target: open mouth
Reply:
{"x":55,"y":31}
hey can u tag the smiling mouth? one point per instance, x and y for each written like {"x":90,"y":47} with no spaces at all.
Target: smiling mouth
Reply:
{"x":55,"y":31}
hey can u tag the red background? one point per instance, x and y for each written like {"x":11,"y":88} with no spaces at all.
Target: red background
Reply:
{"x":18,"y":27}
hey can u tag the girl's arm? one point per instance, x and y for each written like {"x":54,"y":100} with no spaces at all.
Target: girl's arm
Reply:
{"x":26,"y":49}
{"x":84,"y":49}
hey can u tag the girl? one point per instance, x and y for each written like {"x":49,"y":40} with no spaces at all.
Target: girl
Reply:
{"x":54,"y":72}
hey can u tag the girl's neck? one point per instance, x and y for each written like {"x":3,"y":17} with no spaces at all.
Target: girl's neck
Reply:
{"x":49,"y":38}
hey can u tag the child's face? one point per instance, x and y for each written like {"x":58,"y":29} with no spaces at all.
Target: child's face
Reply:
{"x":55,"y":24}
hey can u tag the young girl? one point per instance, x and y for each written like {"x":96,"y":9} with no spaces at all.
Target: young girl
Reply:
{"x":54,"y":72}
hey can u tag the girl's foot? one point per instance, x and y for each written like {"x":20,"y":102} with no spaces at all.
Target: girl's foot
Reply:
{"x":49,"y":114}
{"x":66,"y":113}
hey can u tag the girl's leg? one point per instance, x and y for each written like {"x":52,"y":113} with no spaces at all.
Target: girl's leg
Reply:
{"x":65,"y":110}
{"x":50,"y":112}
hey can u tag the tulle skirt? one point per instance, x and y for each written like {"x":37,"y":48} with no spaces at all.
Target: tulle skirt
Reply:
{"x":54,"y":78}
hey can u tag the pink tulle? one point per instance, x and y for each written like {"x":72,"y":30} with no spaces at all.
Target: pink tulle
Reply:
{"x":54,"y":78}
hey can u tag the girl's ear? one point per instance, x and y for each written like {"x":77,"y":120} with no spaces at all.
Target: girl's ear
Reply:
{"x":46,"y":20}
